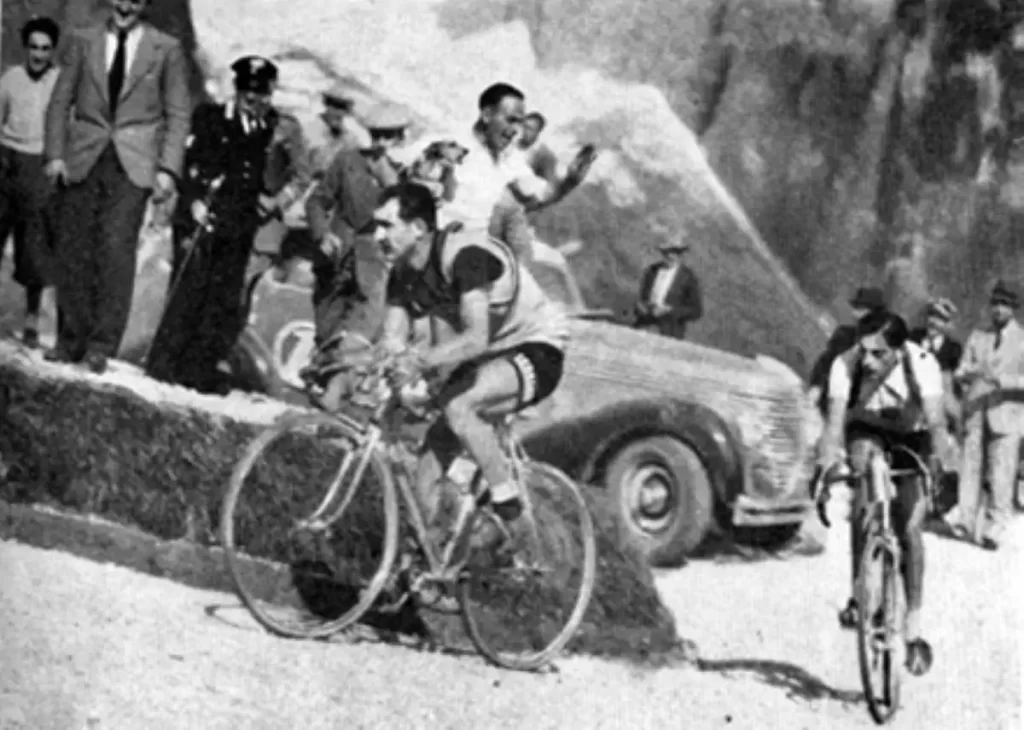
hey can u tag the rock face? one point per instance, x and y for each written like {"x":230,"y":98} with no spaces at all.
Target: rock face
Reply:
{"x":839,"y":126}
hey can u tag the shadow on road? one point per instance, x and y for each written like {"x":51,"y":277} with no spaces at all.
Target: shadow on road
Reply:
{"x":796,"y":682}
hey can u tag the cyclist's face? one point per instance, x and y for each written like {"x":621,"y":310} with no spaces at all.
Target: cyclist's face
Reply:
{"x":394,"y":236}
{"x":875,"y":353}
{"x":40,"y":52}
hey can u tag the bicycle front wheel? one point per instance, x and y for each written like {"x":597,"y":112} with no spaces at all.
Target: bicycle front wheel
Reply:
{"x":879,"y":630}
{"x":309,"y":526}
{"x":521,"y":615}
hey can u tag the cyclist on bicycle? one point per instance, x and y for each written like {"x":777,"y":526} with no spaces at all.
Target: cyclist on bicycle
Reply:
{"x":888,"y":391}
{"x":497,"y":341}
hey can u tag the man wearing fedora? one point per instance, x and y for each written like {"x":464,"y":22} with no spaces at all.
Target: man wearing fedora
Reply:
{"x":992,"y":376}
{"x":670,"y":294}
{"x":866,"y":299}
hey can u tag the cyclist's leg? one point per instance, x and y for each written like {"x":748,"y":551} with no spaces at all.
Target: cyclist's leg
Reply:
{"x":909,"y":511}
{"x":860,"y":445}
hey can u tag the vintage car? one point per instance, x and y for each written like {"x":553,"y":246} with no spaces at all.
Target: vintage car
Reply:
{"x":686,"y":438}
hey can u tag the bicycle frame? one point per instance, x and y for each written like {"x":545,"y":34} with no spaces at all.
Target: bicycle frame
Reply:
{"x":381,"y":432}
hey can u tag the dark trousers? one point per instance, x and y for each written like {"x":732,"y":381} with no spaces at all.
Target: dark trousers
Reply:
{"x":205,"y":312}
{"x":25,"y":197}
{"x":349,"y":294}
{"x":97,"y":240}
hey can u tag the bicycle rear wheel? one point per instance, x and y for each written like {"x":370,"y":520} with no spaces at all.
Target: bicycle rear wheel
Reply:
{"x":308,"y":546}
{"x":521,"y":615}
{"x":879,"y":629}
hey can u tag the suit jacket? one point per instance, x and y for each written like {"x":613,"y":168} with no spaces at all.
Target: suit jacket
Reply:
{"x":684,"y":296}
{"x":1004,"y":408}
{"x":344,"y":200}
{"x":152,"y":117}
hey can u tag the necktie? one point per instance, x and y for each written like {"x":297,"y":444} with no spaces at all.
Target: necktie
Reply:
{"x":115,"y":79}
{"x":999,"y":339}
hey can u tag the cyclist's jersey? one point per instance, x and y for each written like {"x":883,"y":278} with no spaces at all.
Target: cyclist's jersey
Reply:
{"x":897,"y":401}
{"x":462,"y":260}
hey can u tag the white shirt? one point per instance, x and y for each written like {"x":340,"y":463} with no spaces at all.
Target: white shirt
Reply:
{"x":895,"y":392}
{"x":481,"y":179}
{"x":662,"y":281}
{"x":131,"y":47}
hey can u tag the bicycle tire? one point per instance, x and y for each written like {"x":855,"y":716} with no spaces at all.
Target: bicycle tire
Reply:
{"x":236,"y":560}
{"x":538,"y":658}
{"x":883,"y":702}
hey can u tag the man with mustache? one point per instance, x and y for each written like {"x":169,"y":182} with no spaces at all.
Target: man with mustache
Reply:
{"x":128,"y":86}
{"x":25,"y":91}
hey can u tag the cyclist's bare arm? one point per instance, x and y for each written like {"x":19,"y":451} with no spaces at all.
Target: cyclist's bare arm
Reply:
{"x":394,"y":339}
{"x":471,"y":341}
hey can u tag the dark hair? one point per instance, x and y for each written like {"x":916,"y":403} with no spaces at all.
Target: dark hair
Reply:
{"x":890,"y":325}
{"x":494,"y":93}
{"x":414,"y":201}
{"x":40,"y":25}
{"x":539,"y":118}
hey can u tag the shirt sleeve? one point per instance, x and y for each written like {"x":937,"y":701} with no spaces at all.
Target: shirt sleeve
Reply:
{"x":475,"y":268}
{"x":527,"y":182}
{"x":839,"y":381}
{"x":928,"y":374}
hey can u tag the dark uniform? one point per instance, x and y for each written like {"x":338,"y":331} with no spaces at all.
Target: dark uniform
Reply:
{"x":262,"y":163}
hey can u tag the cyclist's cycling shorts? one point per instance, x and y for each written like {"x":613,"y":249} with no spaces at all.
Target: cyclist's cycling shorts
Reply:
{"x":919,"y":442}
{"x":538,"y":365}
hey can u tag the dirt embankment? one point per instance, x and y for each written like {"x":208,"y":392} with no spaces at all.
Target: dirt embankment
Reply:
{"x":89,"y":645}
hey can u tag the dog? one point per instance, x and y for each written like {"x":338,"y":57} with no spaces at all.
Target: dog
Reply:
{"x":435,"y":166}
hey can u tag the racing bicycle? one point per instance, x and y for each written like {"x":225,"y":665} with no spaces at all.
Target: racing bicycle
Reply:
{"x":879,"y":593}
{"x":366,"y":459}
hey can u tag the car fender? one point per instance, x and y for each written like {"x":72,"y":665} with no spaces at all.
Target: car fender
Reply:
{"x":257,"y":363}
{"x":584,"y":446}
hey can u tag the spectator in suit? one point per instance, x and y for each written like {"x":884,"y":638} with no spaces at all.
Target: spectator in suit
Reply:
{"x":115,"y":133}
{"x":670,"y":294}
{"x":350,"y":272}
{"x":343,"y":131}
{"x":865,"y":300}
{"x":24,"y":192}
{"x":260,"y":158}
{"x":935,"y":337}
{"x":992,"y":375}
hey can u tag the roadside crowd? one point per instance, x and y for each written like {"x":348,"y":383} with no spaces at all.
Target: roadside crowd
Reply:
{"x":86,"y":147}
{"x":982,"y":401}
{"x":89,"y":145}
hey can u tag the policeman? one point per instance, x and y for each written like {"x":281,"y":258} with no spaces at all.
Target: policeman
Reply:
{"x":245,"y":162}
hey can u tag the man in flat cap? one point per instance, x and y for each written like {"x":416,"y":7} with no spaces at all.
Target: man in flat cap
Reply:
{"x":992,"y":375}
{"x":245,"y":162}
{"x":866,"y":299}
{"x":350,"y":273}
{"x":344,"y":132}
{"x":128,"y":86}
{"x":670,"y":294}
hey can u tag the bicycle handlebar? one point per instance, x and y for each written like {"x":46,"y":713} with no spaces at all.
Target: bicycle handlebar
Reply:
{"x":827,"y":477}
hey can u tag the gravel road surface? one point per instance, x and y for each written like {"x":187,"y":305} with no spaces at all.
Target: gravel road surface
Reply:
{"x":85,"y":645}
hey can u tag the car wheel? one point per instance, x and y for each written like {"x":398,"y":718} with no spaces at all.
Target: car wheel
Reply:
{"x":664,"y":496}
